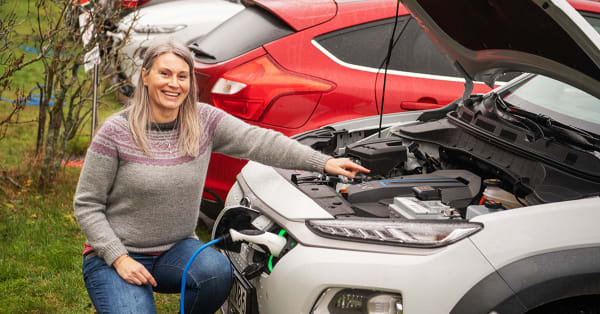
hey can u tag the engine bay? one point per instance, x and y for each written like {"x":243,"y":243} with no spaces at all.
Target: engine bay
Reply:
{"x":445,"y":169}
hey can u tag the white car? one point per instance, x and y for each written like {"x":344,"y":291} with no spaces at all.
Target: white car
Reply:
{"x":183,"y":20}
{"x":488,"y":205}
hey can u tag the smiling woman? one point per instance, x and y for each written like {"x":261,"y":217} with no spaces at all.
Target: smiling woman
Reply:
{"x":167,"y":96}
{"x":139,"y":192}
{"x":168,"y":85}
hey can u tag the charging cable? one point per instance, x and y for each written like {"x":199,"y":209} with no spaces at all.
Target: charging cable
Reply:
{"x":273,"y":243}
{"x":185,"y":270}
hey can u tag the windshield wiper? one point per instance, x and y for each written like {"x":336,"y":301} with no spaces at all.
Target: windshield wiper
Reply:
{"x":571,"y":134}
{"x":559,"y":130}
{"x":505,"y":112}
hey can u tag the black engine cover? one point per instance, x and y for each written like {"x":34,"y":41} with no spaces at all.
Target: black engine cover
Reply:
{"x":457,"y":188}
{"x":379,"y":155}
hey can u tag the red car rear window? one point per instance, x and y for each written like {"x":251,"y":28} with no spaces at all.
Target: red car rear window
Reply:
{"x":232,"y":38}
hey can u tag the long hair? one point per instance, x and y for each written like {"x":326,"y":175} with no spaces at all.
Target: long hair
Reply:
{"x":139,"y":111}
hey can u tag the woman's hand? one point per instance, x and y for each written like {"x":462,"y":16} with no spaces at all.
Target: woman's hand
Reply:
{"x":133,"y":272}
{"x":344,"y":166}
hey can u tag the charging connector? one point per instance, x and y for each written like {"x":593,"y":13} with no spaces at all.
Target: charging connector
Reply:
{"x":273,"y":243}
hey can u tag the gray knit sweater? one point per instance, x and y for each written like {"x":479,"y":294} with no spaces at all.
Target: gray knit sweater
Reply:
{"x":127,"y":201}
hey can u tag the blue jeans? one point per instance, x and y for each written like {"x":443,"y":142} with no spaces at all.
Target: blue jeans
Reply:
{"x":208,"y":281}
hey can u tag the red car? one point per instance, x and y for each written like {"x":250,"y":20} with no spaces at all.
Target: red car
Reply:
{"x":294,"y":66}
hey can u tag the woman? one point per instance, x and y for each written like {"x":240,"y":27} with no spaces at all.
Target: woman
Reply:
{"x":140,"y":188}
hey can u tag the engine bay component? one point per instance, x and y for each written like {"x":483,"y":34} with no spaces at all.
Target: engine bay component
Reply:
{"x":446,"y":160}
{"x":477,"y":210}
{"x":426,"y":193}
{"x":457,"y":188}
{"x":379,"y":155}
{"x":498,"y":195}
{"x":412,"y":208}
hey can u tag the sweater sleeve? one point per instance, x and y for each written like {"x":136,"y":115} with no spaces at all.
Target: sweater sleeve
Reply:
{"x":236,"y":138}
{"x":95,"y":182}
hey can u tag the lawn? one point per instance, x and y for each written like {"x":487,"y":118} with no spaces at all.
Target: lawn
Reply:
{"x":40,"y":241}
{"x":41,"y":245}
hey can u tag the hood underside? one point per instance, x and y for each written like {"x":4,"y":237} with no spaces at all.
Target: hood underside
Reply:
{"x":489,"y":37}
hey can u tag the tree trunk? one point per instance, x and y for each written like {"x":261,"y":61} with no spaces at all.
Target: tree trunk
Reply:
{"x":45,"y":96}
{"x":51,"y":157}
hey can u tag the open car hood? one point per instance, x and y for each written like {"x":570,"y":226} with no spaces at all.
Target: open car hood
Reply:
{"x":485,"y":38}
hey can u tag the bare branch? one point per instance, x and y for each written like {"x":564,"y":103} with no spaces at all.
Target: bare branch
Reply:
{"x":11,"y":180}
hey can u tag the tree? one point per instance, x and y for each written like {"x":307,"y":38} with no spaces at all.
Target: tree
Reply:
{"x":65,"y":82}
{"x":11,"y":63}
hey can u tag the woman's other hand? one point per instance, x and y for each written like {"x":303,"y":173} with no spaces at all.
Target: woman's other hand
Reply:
{"x":133,"y":272}
{"x":344,"y":166}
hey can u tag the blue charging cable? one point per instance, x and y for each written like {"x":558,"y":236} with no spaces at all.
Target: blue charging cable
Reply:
{"x":185,"y":271}
{"x":272,"y":242}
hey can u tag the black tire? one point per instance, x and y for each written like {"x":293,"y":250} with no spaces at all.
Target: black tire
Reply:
{"x":589,"y":304}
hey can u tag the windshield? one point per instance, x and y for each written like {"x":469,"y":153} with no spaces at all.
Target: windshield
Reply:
{"x":560,"y":101}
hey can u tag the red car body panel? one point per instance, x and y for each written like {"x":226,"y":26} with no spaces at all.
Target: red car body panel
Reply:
{"x":300,"y":14}
{"x":356,"y":92}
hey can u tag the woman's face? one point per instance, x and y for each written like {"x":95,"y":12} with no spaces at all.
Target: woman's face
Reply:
{"x":168,"y":83}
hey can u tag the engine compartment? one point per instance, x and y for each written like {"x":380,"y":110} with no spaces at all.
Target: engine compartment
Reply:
{"x":439,"y":170}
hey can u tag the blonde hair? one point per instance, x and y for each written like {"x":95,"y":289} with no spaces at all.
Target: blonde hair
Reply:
{"x":139,"y":111}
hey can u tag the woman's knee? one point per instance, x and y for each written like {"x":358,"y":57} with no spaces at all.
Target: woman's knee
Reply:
{"x":214,"y":267}
{"x":111,"y":294}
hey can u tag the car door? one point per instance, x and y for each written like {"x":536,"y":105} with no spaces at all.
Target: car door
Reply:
{"x":419,"y":76}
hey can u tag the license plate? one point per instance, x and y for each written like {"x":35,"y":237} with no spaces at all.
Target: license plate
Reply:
{"x":242,"y":297}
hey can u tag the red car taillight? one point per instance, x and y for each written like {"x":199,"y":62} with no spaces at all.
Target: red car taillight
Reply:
{"x":248,"y":90}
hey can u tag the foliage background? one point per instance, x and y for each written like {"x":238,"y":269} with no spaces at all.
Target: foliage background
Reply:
{"x":40,"y":241}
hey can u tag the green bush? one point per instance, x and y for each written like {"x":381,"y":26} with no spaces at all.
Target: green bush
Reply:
{"x":78,"y":145}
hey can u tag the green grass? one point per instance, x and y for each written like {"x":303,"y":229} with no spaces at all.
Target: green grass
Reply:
{"x":41,"y":247}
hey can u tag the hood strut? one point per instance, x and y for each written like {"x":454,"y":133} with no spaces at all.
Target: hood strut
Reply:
{"x":387,"y":64}
{"x":468,"y":81}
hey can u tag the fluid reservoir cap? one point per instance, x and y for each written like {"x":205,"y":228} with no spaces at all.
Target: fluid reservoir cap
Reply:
{"x":492,"y":182}
{"x":493,"y":205}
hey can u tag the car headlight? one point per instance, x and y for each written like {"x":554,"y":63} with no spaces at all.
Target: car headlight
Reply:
{"x":403,"y":233}
{"x":357,"y":301}
{"x":156,"y":29}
